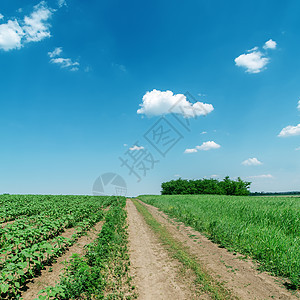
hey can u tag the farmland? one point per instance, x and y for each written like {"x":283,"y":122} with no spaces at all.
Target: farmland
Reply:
{"x":265,"y":228}
{"x":32,"y":238}
{"x":97,"y":247}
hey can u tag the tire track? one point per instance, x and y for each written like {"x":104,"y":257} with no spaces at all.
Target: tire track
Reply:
{"x":156,"y":275}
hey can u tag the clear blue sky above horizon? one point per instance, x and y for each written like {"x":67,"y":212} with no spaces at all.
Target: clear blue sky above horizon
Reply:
{"x":75,"y":73}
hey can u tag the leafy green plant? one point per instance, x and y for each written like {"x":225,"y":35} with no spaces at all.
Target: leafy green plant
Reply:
{"x":103,"y":271}
{"x":33,"y":239}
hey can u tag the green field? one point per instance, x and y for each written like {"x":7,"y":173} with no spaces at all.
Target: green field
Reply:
{"x":30,"y":239}
{"x":33,"y":226}
{"x":264,"y":228}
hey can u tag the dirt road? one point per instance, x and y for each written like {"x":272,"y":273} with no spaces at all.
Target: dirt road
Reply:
{"x":157,"y":275}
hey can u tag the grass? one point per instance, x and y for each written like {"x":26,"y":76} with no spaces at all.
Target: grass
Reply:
{"x":178,"y":250}
{"x":264,"y":228}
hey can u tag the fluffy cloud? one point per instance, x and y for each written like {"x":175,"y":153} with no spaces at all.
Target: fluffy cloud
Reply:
{"x":297,"y":149}
{"x":11,"y":35}
{"x":157,"y":103}
{"x":204,"y":147}
{"x":136,"y":148}
{"x":254,"y":61}
{"x":261,"y":176}
{"x":208,"y":146}
{"x":190,"y":151}
{"x":270,"y":44}
{"x":290,"y":131}
{"x":251,"y":162}
{"x":1,"y":16}
{"x":34,"y":28}
{"x":65,"y":63}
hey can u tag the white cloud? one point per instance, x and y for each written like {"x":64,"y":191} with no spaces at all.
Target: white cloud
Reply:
{"x":56,"y":52}
{"x":254,"y":61}
{"x":261,"y":176}
{"x":136,"y":148}
{"x":204,"y":147}
{"x":65,"y":63}
{"x":11,"y":35}
{"x":270,"y":44}
{"x":204,"y":132}
{"x":157,"y":103}
{"x":125,"y":145}
{"x":290,"y":131}
{"x":190,"y":150}
{"x":297,"y":149}
{"x":61,"y":3}
{"x":208,"y":146}
{"x":36,"y":26}
{"x":33,"y":28}
{"x":251,"y":162}
{"x":1,"y":16}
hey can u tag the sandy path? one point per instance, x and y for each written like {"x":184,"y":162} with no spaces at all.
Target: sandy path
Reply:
{"x":241,"y":277}
{"x":50,"y":278}
{"x":155,"y":273}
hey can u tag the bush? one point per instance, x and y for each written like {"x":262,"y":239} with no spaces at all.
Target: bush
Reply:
{"x":206,"y":186}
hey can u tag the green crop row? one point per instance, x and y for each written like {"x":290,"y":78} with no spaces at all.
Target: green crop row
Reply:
{"x":264,"y":228}
{"x":103,"y":272}
{"x":16,"y":206}
{"x":31,"y":242}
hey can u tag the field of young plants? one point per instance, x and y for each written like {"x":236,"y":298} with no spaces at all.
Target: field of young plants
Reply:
{"x":264,"y":228}
{"x":38,"y":233}
{"x":31,"y":238}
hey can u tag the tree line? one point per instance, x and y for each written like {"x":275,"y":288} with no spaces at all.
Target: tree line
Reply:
{"x":226,"y":186}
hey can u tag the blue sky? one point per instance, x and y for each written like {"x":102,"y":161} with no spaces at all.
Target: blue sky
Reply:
{"x":83,"y":81}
